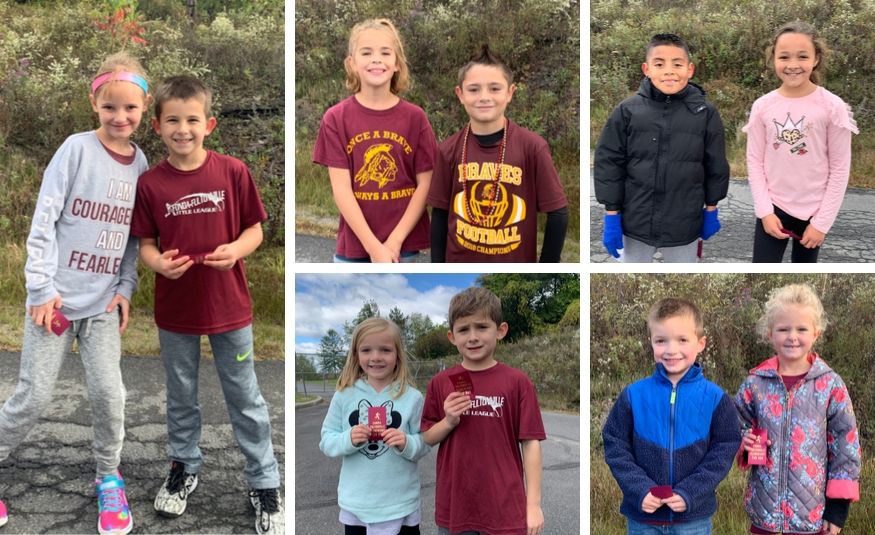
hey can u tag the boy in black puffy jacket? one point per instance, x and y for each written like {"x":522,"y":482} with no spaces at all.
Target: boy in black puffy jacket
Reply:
{"x":660,"y":163}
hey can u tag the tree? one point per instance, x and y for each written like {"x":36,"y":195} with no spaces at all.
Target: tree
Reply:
{"x":370,"y":309}
{"x":303,"y":365}
{"x":331,"y":351}
{"x":530,"y":301}
{"x":401,"y":321}
{"x":433,"y":344}
{"x":418,"y":326}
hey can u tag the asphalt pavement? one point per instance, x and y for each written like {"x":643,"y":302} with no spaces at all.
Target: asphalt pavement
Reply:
{"x":316,"y":249}
{"x":851,"y":239}
{"x":316,"y":476}
{"x":47,"y":482}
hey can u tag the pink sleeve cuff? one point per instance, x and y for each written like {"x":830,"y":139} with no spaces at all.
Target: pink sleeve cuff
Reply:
{"x":741,"y":458}
{"x":843,"y":489}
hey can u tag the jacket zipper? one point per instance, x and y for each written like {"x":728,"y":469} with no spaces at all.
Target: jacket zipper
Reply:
{"x":674,"y":391}
{"x":785,"y":452}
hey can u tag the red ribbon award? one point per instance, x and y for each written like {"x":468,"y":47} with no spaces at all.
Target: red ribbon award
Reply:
{"x":59,"y":322}
{"x":662,"y":492}
{"x":462,"y":383}
{"x":377,"y":422}
{"x":757,"y":454}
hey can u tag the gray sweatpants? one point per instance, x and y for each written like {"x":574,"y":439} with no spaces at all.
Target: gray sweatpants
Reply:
{"x":247,"y":410}
{"x":41,"y":357}
{"x":635,"y":251}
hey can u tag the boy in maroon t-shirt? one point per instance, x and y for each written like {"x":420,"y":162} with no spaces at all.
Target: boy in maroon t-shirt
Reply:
{"x":198,"y":214}
{"x":481,"y":411}
{"x":486,"y":192}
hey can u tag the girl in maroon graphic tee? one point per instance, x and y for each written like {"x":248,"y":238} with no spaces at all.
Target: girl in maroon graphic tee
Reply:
{"x":379,"y":150}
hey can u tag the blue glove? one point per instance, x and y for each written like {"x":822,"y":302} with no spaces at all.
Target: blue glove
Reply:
{"x":710,"y":224}
{"x":612,"y":238}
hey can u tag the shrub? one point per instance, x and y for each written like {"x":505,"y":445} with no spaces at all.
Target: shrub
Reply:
{"x":50,"y":51}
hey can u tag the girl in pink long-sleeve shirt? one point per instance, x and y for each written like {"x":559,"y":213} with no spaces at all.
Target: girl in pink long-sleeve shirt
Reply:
{"x":798,"y":150}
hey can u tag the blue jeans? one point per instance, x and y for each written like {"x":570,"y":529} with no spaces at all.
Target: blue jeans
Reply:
{"x":247,"y":410}
{"x":696,"y":527}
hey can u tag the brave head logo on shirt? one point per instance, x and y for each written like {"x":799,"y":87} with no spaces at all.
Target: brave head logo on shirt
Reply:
{"x":375,"y":449}
{"x":197,"y":203}
{"x":379,"y":166}
{"x":791,"y":133}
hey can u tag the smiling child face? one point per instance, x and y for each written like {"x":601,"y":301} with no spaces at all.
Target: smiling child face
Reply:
{"x":675,"y":344}
{"x":668,"y":68}
{"x":795,"y":60}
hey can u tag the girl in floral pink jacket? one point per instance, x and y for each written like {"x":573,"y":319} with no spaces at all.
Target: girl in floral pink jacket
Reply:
{"x":812,"y":466}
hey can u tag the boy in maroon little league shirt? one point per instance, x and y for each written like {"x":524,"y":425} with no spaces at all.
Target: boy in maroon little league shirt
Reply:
{"x":481,"y":411}
{"x":198,"y":214}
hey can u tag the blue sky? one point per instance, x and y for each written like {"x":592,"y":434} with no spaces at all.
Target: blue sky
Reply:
{"x":326,"y":301}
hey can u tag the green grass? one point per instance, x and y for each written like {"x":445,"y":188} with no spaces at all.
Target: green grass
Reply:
{"x":316,"y":214}
{"x":301,"y":398}
{"x":264,"y":269}
{"x":730,"y":519}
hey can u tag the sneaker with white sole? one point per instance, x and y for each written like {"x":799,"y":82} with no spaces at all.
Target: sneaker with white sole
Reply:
{"x":3,"y":515}
{"x":173,"y":495}
{"x":113,"y":514}
{"x":269,"y":516}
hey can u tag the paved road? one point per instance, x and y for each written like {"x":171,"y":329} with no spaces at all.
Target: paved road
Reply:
{"x":852,"y":238}
{"x":316,"y":476}
{"x":316,"y":249}
{"x":47,"y":481}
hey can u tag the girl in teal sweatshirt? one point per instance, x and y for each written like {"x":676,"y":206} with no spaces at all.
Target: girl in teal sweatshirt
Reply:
{"x":378,"y":492}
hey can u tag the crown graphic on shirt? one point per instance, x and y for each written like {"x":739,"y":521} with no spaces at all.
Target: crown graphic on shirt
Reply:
{"x":789,"y":131}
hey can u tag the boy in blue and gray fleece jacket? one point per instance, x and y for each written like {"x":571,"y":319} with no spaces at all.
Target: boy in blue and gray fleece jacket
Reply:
{"x":671,"y":438}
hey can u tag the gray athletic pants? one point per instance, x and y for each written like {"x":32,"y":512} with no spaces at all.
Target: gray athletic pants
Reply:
{"x":247,"y":410}
{"x":635,"y":251}
{"x":41,"y":356}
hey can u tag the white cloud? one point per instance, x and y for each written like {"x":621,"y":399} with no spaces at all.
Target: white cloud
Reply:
{"x":307,"y":347}
{"x":326,"y":301}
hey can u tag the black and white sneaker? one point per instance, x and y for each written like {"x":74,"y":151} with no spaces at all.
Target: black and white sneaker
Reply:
{"x":269,"y":516}
{"x":173,"y":494}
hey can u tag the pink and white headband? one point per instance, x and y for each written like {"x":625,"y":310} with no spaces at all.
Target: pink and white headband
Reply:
{"x":120,"y":75}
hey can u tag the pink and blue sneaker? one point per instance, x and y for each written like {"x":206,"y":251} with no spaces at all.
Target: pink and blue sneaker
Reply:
{"x":3,"y":515}
{"x":114,"y":517}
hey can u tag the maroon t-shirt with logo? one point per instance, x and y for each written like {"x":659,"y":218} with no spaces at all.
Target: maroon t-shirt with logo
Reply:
{"x":489,"y":226}
{"x":195,"y":212}
{"x":479,"y":466}
{"x":383,"y":150}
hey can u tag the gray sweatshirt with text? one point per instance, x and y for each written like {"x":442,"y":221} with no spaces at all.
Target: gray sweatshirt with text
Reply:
{"x":78,"y":245}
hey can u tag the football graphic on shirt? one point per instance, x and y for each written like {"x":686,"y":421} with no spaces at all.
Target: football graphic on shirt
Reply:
{"x":489,"y":208}
{"x":379,"y":166}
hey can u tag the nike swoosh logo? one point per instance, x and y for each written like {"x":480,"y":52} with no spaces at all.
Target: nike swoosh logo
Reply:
{"x":241,"y":358}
